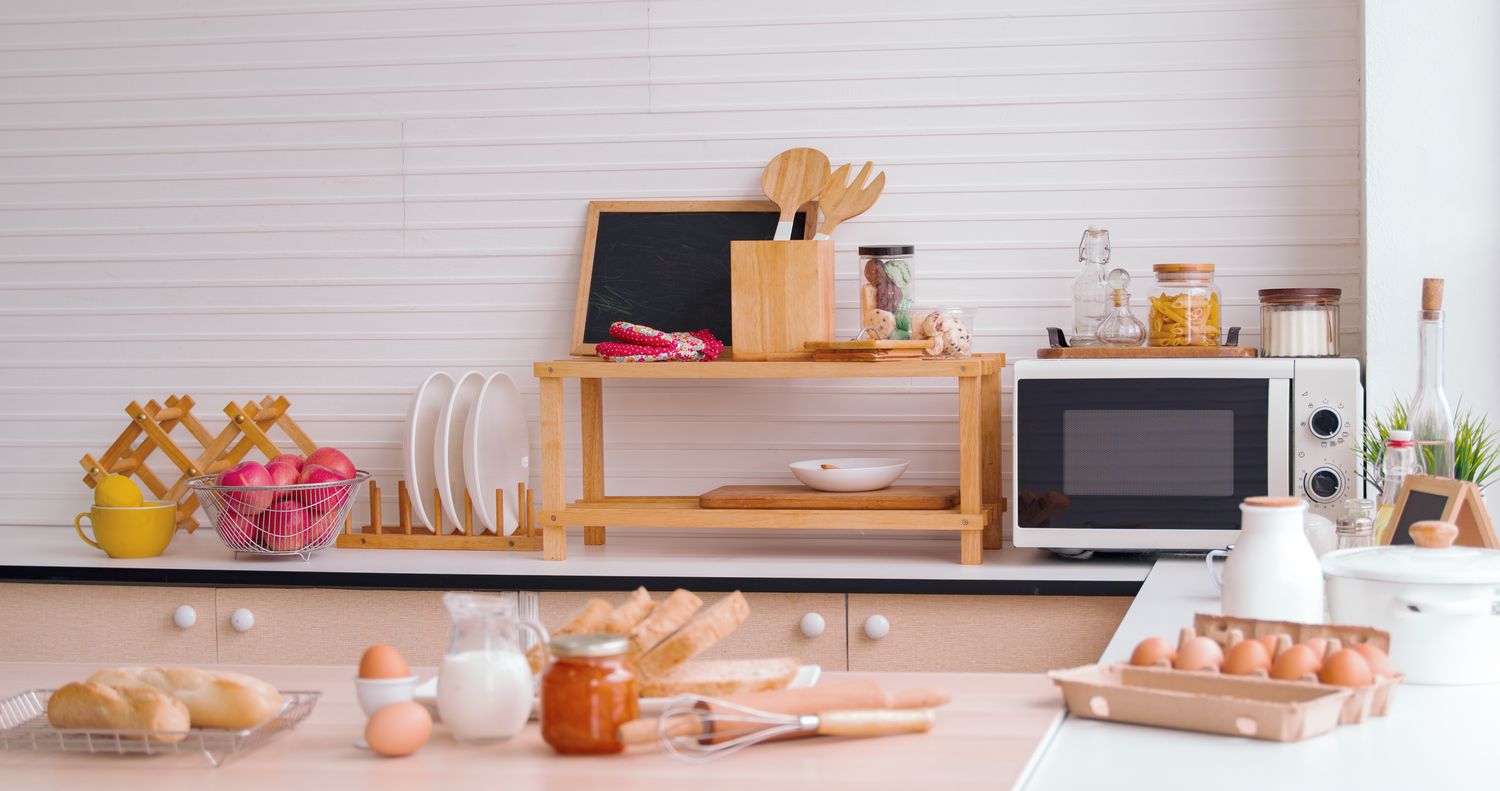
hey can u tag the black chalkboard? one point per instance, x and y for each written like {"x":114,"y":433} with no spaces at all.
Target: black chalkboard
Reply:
{"x":664,"y":264}
{"x":1420,"y":506}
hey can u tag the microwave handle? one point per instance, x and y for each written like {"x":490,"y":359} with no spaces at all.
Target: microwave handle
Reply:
{"x":1279,"y":430}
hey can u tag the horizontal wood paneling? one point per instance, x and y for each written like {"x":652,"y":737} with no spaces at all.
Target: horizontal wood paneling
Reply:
{"x":331,"y":198}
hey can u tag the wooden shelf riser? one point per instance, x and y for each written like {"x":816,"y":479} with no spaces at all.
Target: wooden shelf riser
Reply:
{"x":579,"y":514}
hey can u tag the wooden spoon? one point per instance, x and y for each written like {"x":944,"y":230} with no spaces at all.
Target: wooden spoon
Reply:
{"x":791,"y":179}
{"x":840,"y":199}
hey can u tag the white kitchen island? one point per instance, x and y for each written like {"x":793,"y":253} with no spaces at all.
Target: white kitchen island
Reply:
{"x":1434,"y":737}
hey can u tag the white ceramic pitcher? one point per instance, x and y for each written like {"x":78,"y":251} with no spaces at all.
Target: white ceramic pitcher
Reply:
{"x":1273,"y":573}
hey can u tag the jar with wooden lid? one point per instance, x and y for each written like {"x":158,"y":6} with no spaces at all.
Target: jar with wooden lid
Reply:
{"x":587,"y":694}
{"x":1299,"y":322}
{"x":1186,"y":306}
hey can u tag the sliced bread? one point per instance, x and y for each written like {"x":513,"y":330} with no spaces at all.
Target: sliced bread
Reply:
{"x":629,"y":615}
{"x":591,"y":619}
{"x":720,"y":677}
{"x":708,"y":627}
{"x":665,"y":618}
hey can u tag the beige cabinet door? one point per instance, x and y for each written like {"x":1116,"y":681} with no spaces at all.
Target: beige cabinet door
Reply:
{"x":773,"y":630}
{"x":320,"y":626}
{"x":1011,"y":634}
{"x":107,"y":624}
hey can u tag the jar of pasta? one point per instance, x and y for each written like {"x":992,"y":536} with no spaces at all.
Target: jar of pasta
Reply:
{"x":1185,"y":306}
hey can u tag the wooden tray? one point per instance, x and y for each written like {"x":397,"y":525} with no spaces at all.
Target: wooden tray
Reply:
{"x":891,"y":498}
{"x":1144,"y":352}
{"x":860,"y":346}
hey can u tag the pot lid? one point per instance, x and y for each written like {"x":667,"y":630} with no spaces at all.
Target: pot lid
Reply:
{"x":1433,"y":560}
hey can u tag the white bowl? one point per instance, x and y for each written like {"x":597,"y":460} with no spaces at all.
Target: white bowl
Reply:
{"x":850,"y":475}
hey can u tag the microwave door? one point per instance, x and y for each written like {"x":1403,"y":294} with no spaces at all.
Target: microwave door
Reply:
{"x":1130,"y":455}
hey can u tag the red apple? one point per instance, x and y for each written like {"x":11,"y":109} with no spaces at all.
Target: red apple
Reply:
{"x":237,"y":530}
{"x":324,"y":498}
{"x":282,"y":474}
{"x":325,"y":527}
{"x":333,"y":459}
{"x":247,"y":473}
{"x":283,"y":526}
{"x":288,"y":458}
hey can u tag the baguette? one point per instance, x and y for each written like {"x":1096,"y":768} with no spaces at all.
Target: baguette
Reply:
{"x":709,"y":626}
{"x":590,"y":620}
{"x":214,"y":698}
{"x":97,"y":706}
{"x":665,"y":618}
{"x":721,"y":677}
{"x":629,"y":615}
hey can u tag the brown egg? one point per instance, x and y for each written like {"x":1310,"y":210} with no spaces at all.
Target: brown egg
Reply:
{"x":1380,"y":664}
{"x":1246,"y":657}
{"x":1151,"y":651}
{"x":1346,"y":668}
{"x":1295,"y":663}
{"x":1269,"y":641}
{"x":1199,"y":653}
{"x":399,"y":729}
{"x":382,"y":661}
{"x":1319,"y":646}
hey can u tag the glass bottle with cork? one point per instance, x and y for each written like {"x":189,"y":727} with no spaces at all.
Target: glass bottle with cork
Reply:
{"x":1431,"y":418}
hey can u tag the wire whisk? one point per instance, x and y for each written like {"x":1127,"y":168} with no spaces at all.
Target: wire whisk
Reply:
{"x":697,"y":729}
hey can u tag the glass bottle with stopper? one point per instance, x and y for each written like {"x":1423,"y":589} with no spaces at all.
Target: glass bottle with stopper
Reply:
{"x":1089,"y":291}
{"x":1120,"y":327}
{"x":1431,"y":420}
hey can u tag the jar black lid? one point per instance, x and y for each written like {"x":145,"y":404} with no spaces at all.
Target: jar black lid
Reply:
{"x":884,"y":250}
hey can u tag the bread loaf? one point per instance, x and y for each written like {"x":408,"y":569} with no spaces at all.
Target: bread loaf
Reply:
{"x":214,"y":698}
{"x":630,"y":614}
{"x":665,"y":618}
{"x":91,"y":705}
{"x":721,"y":677}
{"x":709,"y":626}
{"x":592,"y":619}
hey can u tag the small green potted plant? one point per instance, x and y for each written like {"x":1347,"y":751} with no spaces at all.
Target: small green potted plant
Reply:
{"x":1476,"y":445}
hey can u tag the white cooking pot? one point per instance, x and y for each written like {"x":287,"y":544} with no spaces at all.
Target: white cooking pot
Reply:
{"x":1440,"y":603}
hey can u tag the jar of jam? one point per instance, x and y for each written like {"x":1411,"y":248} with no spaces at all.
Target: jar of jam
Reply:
{"x":587,"y":694}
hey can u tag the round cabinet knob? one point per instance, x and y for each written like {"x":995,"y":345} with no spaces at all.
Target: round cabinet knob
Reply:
{"x":877,"y":627}
{"x":1325,"y":422}
{"x":813,"y":624}
{"x":1324,"y":484}
{"x":184,"y":616}
{"x":242,"y":619}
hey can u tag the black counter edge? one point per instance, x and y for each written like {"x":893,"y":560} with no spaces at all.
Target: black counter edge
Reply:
{"x":375,"y":581}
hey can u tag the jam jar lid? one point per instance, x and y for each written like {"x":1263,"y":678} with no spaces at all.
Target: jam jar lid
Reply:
{"x":888,"y":250}
{"x":588,"y":645}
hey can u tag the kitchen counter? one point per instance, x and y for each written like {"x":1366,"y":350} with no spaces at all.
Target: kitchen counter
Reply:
{"x":847,"y":564}
{"x":1434,"y":737}
{"x":983,"y":739}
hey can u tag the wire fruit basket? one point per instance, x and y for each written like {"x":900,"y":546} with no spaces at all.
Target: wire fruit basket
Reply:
{"x":24,"y":726}
{"x":295,"y":519}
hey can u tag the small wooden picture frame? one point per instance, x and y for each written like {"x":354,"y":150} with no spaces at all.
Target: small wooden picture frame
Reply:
{"x":1446,"y":499}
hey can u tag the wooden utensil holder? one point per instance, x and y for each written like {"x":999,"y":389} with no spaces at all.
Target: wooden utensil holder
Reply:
{"x":781,"y":295}
{"x":527,"y":537}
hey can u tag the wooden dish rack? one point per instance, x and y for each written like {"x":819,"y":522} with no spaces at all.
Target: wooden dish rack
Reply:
{"x":406,"y":535}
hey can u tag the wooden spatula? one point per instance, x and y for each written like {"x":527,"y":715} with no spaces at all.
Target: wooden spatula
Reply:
{"x":790,"y":180}
{"x":840,"y":199}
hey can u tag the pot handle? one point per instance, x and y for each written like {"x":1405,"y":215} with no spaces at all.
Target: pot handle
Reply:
{"x":1213,"y":570}
{"x":1463,"y":608}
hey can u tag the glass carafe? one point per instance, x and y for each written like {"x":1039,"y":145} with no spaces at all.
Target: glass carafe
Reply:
{"x":1089,"y":291}
{"x":485,"y":684}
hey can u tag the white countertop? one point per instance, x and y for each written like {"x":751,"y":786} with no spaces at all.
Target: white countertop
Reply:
{"x":850,"y":562}
{"x":1434,"y":737}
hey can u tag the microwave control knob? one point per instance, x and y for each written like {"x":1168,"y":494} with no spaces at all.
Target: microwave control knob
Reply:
{"x":877,"y":627}
{"x":1324,"y":484}
{"x":1325,"y":422}
{"x":812,"y":624}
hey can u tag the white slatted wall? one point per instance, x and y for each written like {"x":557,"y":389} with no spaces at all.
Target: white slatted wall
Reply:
{"x":330,"y":198}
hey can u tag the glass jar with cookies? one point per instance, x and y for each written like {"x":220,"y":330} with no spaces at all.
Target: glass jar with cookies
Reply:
{"x":887,"y":290}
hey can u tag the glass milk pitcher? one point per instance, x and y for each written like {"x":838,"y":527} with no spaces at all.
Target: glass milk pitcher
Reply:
{"x":485,"y":684}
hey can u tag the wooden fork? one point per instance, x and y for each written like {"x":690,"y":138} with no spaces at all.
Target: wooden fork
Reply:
{"x":841,"y":199}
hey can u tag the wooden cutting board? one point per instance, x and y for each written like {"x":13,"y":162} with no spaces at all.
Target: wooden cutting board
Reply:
{"x":891,"y":498}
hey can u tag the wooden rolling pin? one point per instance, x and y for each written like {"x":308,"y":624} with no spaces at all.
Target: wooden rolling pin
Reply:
{"x":844,"y":696}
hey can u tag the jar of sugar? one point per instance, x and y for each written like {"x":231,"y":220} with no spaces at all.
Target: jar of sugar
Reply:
{"x":1299,"y":322}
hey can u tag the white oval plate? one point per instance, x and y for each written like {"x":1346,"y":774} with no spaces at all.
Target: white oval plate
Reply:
{"x":851,"y":475}
{"x":448,"y":447}
{"x":417,"y":445}
{"x":497,"y":451}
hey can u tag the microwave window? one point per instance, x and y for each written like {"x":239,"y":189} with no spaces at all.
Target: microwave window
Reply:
{"x":1148,"y":452}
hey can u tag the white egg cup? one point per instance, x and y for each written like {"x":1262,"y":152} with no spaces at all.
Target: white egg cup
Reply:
{"x":375,"y":694}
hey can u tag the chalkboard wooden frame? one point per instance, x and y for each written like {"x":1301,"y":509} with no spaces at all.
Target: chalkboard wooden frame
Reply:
{"x":1464,"y":507}
{"x":591,"y":234}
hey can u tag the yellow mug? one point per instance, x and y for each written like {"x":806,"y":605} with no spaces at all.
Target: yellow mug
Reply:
{"x":139,"y":532}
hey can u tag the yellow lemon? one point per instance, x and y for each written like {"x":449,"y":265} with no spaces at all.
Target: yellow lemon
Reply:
{"x":118,"y":491}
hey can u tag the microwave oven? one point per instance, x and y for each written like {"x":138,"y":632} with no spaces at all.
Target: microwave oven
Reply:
{"x":1156,"y":455}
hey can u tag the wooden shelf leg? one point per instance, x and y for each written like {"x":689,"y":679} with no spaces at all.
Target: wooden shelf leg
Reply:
{"x":591,"y":397}
{"x":554,"y":536}
{"x":989,"y":422}
{"x":970,"y":467}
